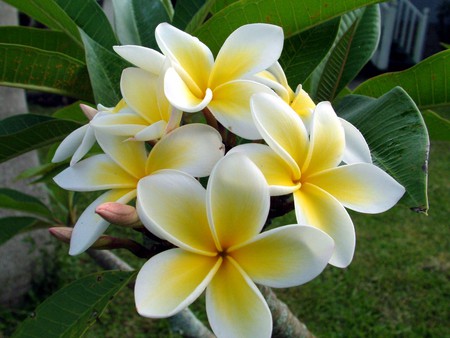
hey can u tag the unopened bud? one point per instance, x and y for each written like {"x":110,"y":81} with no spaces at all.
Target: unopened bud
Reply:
{"x":118,"y":213}
{"x":88,"y":111}
{"x":61,"y":233}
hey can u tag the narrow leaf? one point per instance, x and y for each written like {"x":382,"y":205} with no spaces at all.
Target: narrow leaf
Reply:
{"x":22,"y":133}
{"x":397,"y":137}
{"x":136,"y":20}
{"x":302,"y":53}
{"x":293,"y":15}
{"x":11,"y":226}
{"x":73,"y":309}
{"x":45,"y":39}
{"x":37,"y":69}
{"x":356,"y":41}
{"x":105,"y":68}
{"x":185,"y":10}
{"x":16,"y":200}
{"x":428,"y":82}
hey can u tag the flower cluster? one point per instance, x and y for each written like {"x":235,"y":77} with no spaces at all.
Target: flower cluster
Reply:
{"x":260,"y":140}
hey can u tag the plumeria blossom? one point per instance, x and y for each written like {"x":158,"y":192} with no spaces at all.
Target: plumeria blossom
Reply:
{"x":308,"y":166}
{"x":220,"y":248}
{"x":195,"y":80}
{"x":356,"y":148}
{"x":193,"y":148}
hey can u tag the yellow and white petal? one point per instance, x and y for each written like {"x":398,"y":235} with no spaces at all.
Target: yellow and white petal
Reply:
{"x":70,"y":144}
{"x":126,"y":123}
{"x":86,"y":145}
{"x":193,"y":148}
{"x":152,"y":132}
{"x":361,"y":187}
{"x":142,"y":57}
{"x":315,"y":207}
{"x":327,"y":140}
{"x":286,"y":256}
{"x":277,"y":173}
{"x":356,"y":147}
{"x":250,"y":49}
{"x":187,"y":51}
{"x":303,"y":105}
{"x":172,"y":205}
{"x":180,"y":95}
{"x":97,"y":172}
{"x":139,"y":90}
{"x":282,"y":129}
{"x":230,"y":105}
{"x":235,"y":306}
{"x":171,"y":281}
{"x":129,"y":155}
{"x":90,"y":226}
{"x":237,"y":200}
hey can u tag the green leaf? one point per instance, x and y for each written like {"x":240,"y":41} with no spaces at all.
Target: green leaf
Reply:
{"x":71,"y":112}
{"x":185,"y":10}
{"x":428,"y":82}
{"x":293,"y":15}
{"x":356,"y":41}
{"x":438,"y":127}
{"x":73,"y":309}
{"x":37,"y":69}
{"x":136,"y":20}
{"x":221,"y":4}
{"x":105,"y":68}
{"x":16,"y":200}
{"x":22,"y":133}
{"x":302,"y":53}
{"x":397,"y":137}
{"x":11,"y":226}
{"x":50,"y":14}
{"x":45,"y":39}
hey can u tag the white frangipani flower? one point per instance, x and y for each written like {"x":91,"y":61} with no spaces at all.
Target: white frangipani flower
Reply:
{"x":220,"y":248}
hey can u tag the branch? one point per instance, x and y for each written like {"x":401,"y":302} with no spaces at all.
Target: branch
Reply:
{"x":184,"y":322}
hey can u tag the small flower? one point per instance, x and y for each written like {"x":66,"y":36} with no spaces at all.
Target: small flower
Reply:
{"x":220,"y":248}
{"x":192,"y":148}
{"x":308,"y":165}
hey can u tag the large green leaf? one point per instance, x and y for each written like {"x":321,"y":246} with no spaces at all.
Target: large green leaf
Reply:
{"x":302,"y":53}
{"x":105,"y":68}
{"x":22,"y":133}
{"x":293,"y":15}
{"x":37,"y":69}
{"x":136,"y":20}
{"x":185,"y":10}
{"x":45,"y":39}
{"x":428,"y":82}
{"x":438,"y":127}
{"x":356,"y":41}
{"x":73,"y":309}
{"x":16,"y":200}
{"x":397,"y":137}
{"x":11,"y":226}
{"x":50,"y":14}
{"x":71,"y":112}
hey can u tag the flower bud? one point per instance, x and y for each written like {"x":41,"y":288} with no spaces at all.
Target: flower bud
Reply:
{"x":118,"y":213}
{"x":88,"y":111}
{"x":61,"y":233}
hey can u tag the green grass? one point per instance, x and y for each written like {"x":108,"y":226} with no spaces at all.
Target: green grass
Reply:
{"x":397,"y":285}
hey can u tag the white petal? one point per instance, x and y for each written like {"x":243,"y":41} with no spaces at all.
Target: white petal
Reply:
{"x":361,"y":186}
{"x":86,"y":145}
{"x":152,"y":132}
{"x":235,"y":306}
{"x":193,"y":148}
{"x":90,"y":226}
{"x":248,"y":50}
{"x":70,"y":144}
{"x":142,"y":57}
{"x":171,"y":281}
{"x":356,"y":148}
{"x":172,"y":205}
{"x":287,"y":256}
{"x":317,"y":208}
{"x":97,"y":172}
{"x":237,"y":200}
{"x":125,"y":123}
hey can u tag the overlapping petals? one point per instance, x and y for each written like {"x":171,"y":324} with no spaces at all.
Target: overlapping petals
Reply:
{"x":220,"y":248}
{"x":321,"y":187}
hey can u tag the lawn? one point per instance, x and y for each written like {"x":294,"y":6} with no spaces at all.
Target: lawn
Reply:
{"x":397,"y":285}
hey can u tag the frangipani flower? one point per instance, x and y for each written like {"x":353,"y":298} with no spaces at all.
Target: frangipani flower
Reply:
{"x":193,"y":148}
{"x":220,"y":248}
{"x":308,"y":167}
{"x":356,"y":148}
{"x":196,"y":81}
